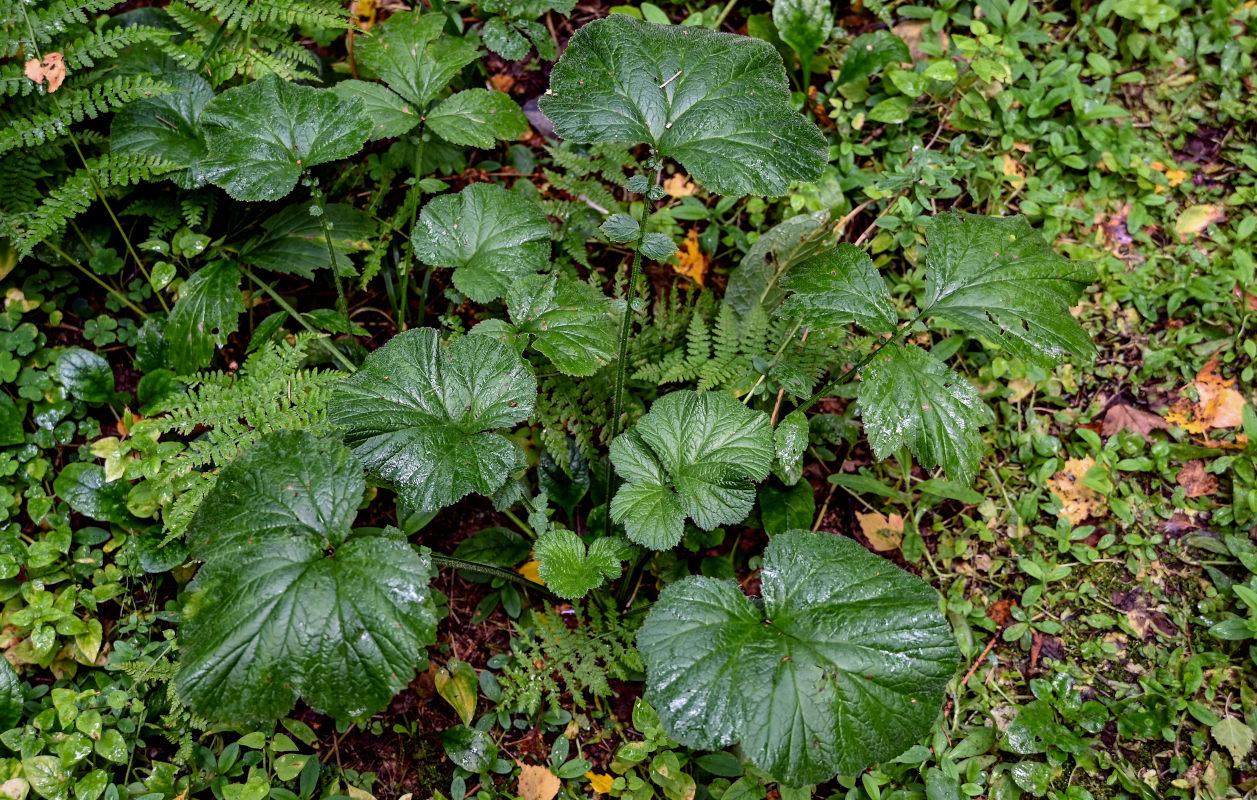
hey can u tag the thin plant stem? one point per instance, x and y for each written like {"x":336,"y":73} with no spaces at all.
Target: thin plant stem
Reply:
{"x":112,"y":291}
{"x":724,"y":13}
{"x":292,"y":312}
{"x":861,"y":364}
{"x":342,"y":303}
{"x":403,"y":280}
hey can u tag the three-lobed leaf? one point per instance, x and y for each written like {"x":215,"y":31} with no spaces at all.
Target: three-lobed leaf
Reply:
{"x":695,"y":454}
{"x":424,"y":417}
{"x":997,"y":278}
{"x":569,"y":569}
{"x":262,"y":135}
{"x":909,"y":397}
{"x":716,"y":102}
{"x":410,"y":54}
{"x":491,"y":236}
{"x":290,"y":602}
{"x":843,"y":663}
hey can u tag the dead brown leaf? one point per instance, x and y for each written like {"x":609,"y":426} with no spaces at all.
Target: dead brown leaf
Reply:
{"x":1078,"y":501}
{"x":1001,"y":612}
{"x":691,"y":260}
{"x":50,"y":71}
{"x":1014,"y":170}
{"x":883,"y":532}
{"x":1122,"y":416}
{"x":537,"y":783}
{"x":679,"y":185}
{"x":1196,"y":481}
{"x":1219,"y":404}
{"x":503,"y":83}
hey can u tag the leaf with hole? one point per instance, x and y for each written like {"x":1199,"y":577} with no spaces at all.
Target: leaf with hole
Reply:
{"x":491,"y":236}
{"x":694,"y":455}
{"x":716,"y":102}
{"x":841,"y":664}
{"x":207,"y":312}
{"x":425,"y":418}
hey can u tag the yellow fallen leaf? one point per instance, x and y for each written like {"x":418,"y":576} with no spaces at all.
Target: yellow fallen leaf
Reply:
{"x":364,"y":12}
{"x":537,"y":783}
{"x":1195,"y":219}
{"x":691,"y":260}
{"x":357,"y":794}
{"x":601,"y":784}
{"x":1175,"y":176}
{"x":530,"y":572}
{"x":50,"y":70}
{"x":1219,"y":406}
{"x":679,"y":186}
{"x":1078,"y":501}
{"x":1014,"y":170}
{"x":883,"y":532}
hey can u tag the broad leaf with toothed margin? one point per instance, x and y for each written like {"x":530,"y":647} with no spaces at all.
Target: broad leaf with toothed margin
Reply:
{"x":569,"y":322}
{"x":716,"y":102}
{"x":696,"y":455}
{"x":491,"y":236}
{"x":167,"y":125}
{"x":207,"y":312}
{"x":909,"y":397}
{"x":477,"y":118}
{"x":290,"y":603}
{"x":262,"y":135}
{"x":842,"y":665}
{"x":571,"y":571}
{"x":997,"y":278}
{"x":805,"y":25}
{"x":424,"y":417}
{"x":838,"y":286}
{"x":410,"y":54}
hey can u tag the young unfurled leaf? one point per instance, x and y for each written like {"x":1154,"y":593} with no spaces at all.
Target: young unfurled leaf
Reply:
{"x":569,"y":321}
{"x":571,"y":572}
{"x":263,"y":134}
{"x":717,"y":103}
{"x":908,"y":397}
{"x":167,"y":125}
{"x":423,"y":417}
{"x":409,"y":53}
{"x":803,"y":24}
{"x":208,"y":310}
{"x":843,"y":665}
{"x":839,"y":286}
{"x":477,"y":118}
{"x":490,"y":235}
{"x":870,"y":52}
{"x":996,"y":277}
{"x":289,"y":602}
{"x":694,"y":455}
{"x":294,"y":240}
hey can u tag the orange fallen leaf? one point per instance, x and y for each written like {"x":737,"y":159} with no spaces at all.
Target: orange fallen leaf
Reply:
{"x":1078,"y":501}
{"x":601,"y":784}
{"x":1122,"y":416}
{"x":679,"y":186}
{"x":503,"y":83}
{"x":1219,"y":406}
{"x":1175,"y":176}
{"x":1196,"y":481}
{"x":50,"y":70}
{"x":883,"y":532}
{"x":537,"y":783}
{"x":691,"y":260}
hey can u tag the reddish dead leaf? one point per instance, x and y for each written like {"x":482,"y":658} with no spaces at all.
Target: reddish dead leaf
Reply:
{"x":1000,"y":612}
{"x":1249,"y":298}
{"x":50,"y":71}
{"x":1142,"y":614}
{"x":1113,"y":228}
{"x":1219,"y":406}
{"x":883,"y":532}
{"x":1132,"y":419}
{"x":1196,"y":481}
{"x":691,"y":260}
{"x":1078,"y":501}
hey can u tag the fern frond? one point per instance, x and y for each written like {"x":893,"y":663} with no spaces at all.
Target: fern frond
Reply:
{"x":76,"y":194}
{"x":287,"y":13}
{"x":86,"y":51}
{"x":75,"y":105}
{"x":44,"y":23}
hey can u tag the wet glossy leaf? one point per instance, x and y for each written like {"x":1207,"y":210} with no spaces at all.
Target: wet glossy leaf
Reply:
{"x":908,"y":397}
{"x":571,"y":571}
{"x":803,"y":24}
{"x":409,"y":53}
{"x":717,"y":103}
{"x":262,"y":135}
{"x":696,"y":455}
{"x":86,"y":375}
{"x":293,"y":241}
{"x":391,"y":114}
{"x":207,"y":312}
{"x":167,"y":125}
{"x":658,"y":246}
{"x":289,"y":602}
{"x":492,"y":237}
{"x":477,"y":118}
{"x":84,"y":488}
{"x":997,"y":278}
{"x":458,"y":685}
{"x":10,"y":696}
{"x":569,"y":321}
{"x":424,"y":417}
{"x":870,"y":52}
{"x":471,"y":749}
{"x":790,"y":439}
{"x":843,"y":664}
{"x":839,"y":286}
{"x":621,"y":228}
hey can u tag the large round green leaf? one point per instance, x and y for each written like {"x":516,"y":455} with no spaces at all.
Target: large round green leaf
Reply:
{"x":841,"y":665}
{"x":290,"y":603}
{"x":423,"y":417}
{"x":718,"y":103}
